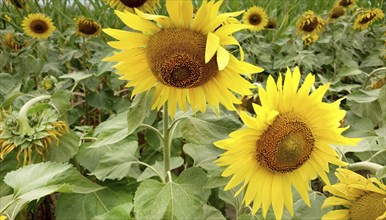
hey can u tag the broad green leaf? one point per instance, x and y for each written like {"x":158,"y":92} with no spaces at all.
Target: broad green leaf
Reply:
{"x":159,"y":166}
{"x":364,"y":96}
{"x":139,"y":110}
{"x":302,"y":211}
{"x":7,"y":84}
{"x":120,"y":212}
{"x":215,"y":179}
{"x":101,"y":99}
{"x":88,"y":206}
{"x":347,"y":71}
{"x":35,"y":181}
{"x":77,"y":76}
{"x":112,"y":125}
{"x":117,"y":163}
{"x":211,"y":213}
{"x":180,"y":199}
{"x":61,"y":100}
{"x":11,"y":96}
{"x":67,"y":148}
{"x":207,"y":128}
{"x":8,"y":164}
{"x":110,"y":140}
{"x":203,"y":156}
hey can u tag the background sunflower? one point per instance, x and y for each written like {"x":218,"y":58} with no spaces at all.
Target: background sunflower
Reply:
{"x":38,"y":26}
{"x":143,"y":5}
{"x":257,"y":17}
{"x":367,"y":17}
{"x":310,"y":24}
{"x":87,"y":27}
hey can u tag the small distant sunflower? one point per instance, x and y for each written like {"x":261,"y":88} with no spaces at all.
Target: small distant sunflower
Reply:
{"x":45,"y":131}
{"x":367,"y":17}
{"x":345,"y":3}
{"x":11,"y":41}
{"x":87,"y":27}
{"x":182,"y":57}
{"x":358,"y":198}
{"x":246,"y":103}
{"x":310,"y":24}
{"x":257,"y":17}
{"x":336,"y":12}
{"x":287,"y":143}
{"x":310,"y":39}
{"x":38,"y":26}
{"x":272,"y":24}
{"x":143,"y":5}
{"x":17,"y":3}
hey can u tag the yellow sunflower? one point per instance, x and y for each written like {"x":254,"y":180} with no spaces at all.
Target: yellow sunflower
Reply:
{"x":367,"y":17}
{"x":11,"y":41}
{"x":345,"y":3}
{"x":310,"y":24}
{"x":287,"y":143}
{"x":38,"y":26}
{"x":87,"y":27}
{"x":257,"y":17}
{"x":310,"y":39}
{"x":17,"y":3}
{"x":336,"y":12}
{"x":182,"y":57}
{"x":143,"y":5}
{"x":358,"y":197}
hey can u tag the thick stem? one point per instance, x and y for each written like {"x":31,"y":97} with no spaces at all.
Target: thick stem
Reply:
{"x":365,"y":165}
{"x":24,"y":127}
{"x":166,"y":139}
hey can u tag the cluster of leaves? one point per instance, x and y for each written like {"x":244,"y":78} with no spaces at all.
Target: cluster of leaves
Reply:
{"x":110,"y":165}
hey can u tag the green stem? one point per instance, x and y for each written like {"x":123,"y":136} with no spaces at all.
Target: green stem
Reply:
{"x":152,"y":168}
{"x":22,"y":117}
{"x":166,"y":141}
{"x":365,"y":165}
{"x":153,"y":129}
{"x":371,"y":75}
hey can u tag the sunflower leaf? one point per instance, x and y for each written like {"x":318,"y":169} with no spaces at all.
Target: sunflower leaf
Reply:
{"x":139,"y":110}
{"x":181,"y":199}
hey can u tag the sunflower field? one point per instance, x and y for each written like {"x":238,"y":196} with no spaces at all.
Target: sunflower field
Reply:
{"x":192,"y":109}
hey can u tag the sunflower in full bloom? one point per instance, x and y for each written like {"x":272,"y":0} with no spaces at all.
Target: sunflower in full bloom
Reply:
{"x":358,"y":197}
{"x":143,"y":5}
{"x":182,"y":57}
{"x":257,"y":17}
{"x":310,"y":24}
{"x":336,"y":12}
{"x":367,"y":17}
{"x":17,"y":3}
{"x":87,"y":27}
{"x":310,"y":39}
{"x":38,"y":26}
{"x":45,"y":130}
{"x":287,"y":143}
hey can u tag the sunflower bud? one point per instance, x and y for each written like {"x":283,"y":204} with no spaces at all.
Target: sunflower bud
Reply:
{"x":49,"y":83}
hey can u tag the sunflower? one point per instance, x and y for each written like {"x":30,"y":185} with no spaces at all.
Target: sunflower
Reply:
{"x":287,"y":143}
{"x":87,"y":27}
{"x":17,"y":3}
{"x":11,"y":41}
{"x":38,"y":26}
{"x":45,"y":132}
{"x":310,"y":24}
{"x":182,"y":57}
{"x":358,"y":197}
{"x":257,"y":17}
{"x":345,"y":3}
{"x":310,"y":39}
{"x":272,"y":23}
{"x":246,"y":103}
{"x":367,"y":17}
{"x":143,"y":5}
{"x":336,"y":12}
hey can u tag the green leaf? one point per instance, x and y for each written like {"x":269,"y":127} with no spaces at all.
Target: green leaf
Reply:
{"x":7,"y":84}
{"x":181,"y":199}
{"x":117,"y":163}
{"x":302,"y":211}
{"x":101,"y":99}
{"x":215,"y":179}
{"x":207,"y":128}
{"x":203,"y":156}
{"x":211,"y":213}
{"x":35,"y":181}
{"x":61,"y":100}
{"x":88,"y":206}
{"x":112,"y":125}
{"x":159,"y":166}
{"x":120,"y":212}
{"x":364,"y":96}
{"x":77,"y":76}
{"x":67,"y":148}
{"x":8,"y":164}
{"x":139,"y":110}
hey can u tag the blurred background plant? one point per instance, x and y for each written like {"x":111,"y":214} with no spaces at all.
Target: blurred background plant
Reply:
{"x":113,"y":139}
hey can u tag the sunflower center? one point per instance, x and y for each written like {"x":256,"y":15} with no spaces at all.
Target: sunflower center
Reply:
{"x":177,"y":58}
{"x":254,"y":19}
{"x":345,"y":3}
{"x":367,"y":18}
{"x":133,"y":3}
{"x":39,"y":26}
{"x":369,"y":206}
{"x":286,"y":145}
{"x":337,"y":12}
{"x":87,"y":28}
{"x":17,"y":3}
{"x":311,"y":25}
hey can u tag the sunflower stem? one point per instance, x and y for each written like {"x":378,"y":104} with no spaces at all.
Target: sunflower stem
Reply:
{"x":166,"y":139}
{"x":365,"y":165}
{"x":24,"y":127}
{"x":373,"y":73}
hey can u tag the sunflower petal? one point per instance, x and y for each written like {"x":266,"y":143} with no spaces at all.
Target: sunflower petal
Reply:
{"x":222,"y":58}
{"x":212,"y":44}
